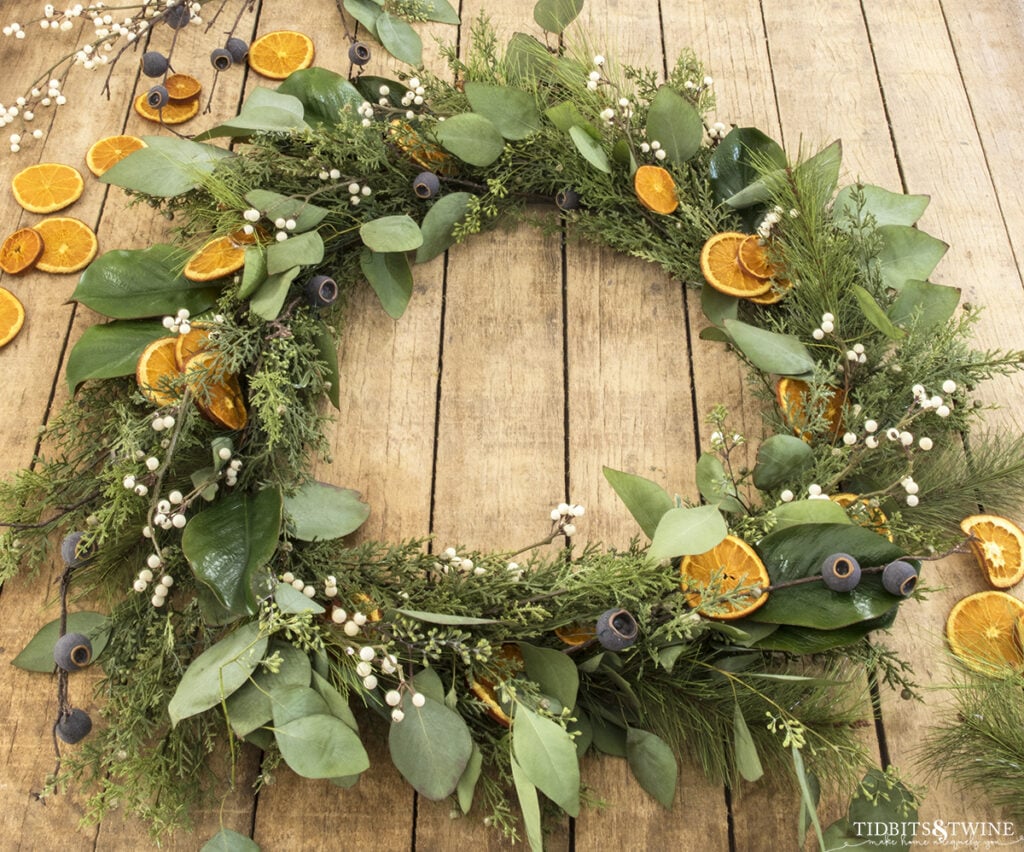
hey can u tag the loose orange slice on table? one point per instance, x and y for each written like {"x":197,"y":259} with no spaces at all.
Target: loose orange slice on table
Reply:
{"x":217,"y":393}
{"x":655,"y":189}
{"x":719,"y":261}
{"x":47,"y":187}
{"x":792,"y":396}
{"x":20,"y":250}
{"x":12,"y":316}
{"x":278,"y":54}
{"x":982,"y":632}
{"x":753,"y":257}
{"x":107,"y":152}
{"x":219,"y":257}
{"x":487,"y":691}
{"x":729,"y":565}
{"x":998,"y":547}
{"x":182,"y":87}
{"x":174,"y":112}
{"x":864,"y":513}
{"x":187,"y":345}
{"x":68,"y":244}
{"x":157,"y":373}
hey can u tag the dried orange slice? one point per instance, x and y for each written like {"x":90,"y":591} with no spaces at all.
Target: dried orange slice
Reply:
{"x":424,"y":154}
{"x":68,"y":244}
{"x":655,"y":189}
{"x":106,"y":152}
{"x":863,"y":512}
{"x":754,"y":259}
{"x":719,"y":261}
{"x":998,"y":548}
{"x":20,"y":250}
{"x":374,"y":613}
{"x":182,"y":87}
{"x":576,"y":634}
{"x":191,"y":343}
{"x":278,"y":54}
{"x":982,"y":632}
{"x":775,"y":295}
{"x":47,"y":187}
{"x":792,"y":396}
{"x":175,"y":112}
{"x":729,"y":565}
{"x":12,"y":316}
{"x":487,"y":691}
{"x":157,"y":373}
{"x":217,"y":393}
{"x":219,"y":257}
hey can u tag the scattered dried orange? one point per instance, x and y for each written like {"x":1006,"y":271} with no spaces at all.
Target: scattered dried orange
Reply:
{"x":106,"y":152}
{"x":182,"y":87}
{"x":982,"y":632}
{"x":217,"y":393}
{"x":576,"y":634}
{"x":173,"y":113}
{"x":278,"y":54}
{"x":47,"y":187}
{"x":20,"y":250}
{"x":187,"y":345}
{"x":655,"y":189}
{"x":12,"y":316}
{"x":68,"y":244}
{"x":219,"y":257}
{"x":157,"y":374}
{"x":487,"y":691}
{"x":792,"y":396}
{"x":998,"y":547}
{"x":424,"y":154}
{"x":864,"y":512}
{"x":754,"y":259}
{"x":729,"y":565}
{"x":719,"y":261}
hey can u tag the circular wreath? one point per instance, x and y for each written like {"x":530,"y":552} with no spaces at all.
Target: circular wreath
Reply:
{"x":182,"y":476}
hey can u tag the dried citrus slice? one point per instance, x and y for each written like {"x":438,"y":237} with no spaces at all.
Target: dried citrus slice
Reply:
{"x":998,"y":547}
{"x":424,"y":154}
{"x":792,"y":396}
{"x":719,"y":261}
{"x":374,"y":613}
{"x":219,"y":257}
{"x":729,"y":565}
{"x":864,"y":512}
{"x":775,"y":295}
{"x":655,"y":189}
{"x":175,"y":112}
{"x":982,"y":632}
{"x":278,"y":54}
{"x":47,"y":187}
{"x":191,"y":343}
{"x":157,"y":373}
{"x":68,"y":244}
{"x":217,"y":393}
{"x":576,"y":634}
{"x":20,"y":250}
{"x":12,"y":316}
{"x":106,"y":152}
{"x":754,"y":259}
{"x":487,"y":690}
{"x":182,"y":87}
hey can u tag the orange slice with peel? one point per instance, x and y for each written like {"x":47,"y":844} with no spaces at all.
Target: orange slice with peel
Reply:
{"x":753,"y":258}
{"x":780,"y":287}
{"x":488,"y":691}
{"x":982,"y":632}
{"x":182,"y":87}
{"x":864,"y":512}
{"x":157,"y":373}
{"x":174,"y":112}
{"x":655,"y":189}
{"x":106,"y":152}
{"x":424,"y":154}
{"x":732,"y":565}
{"x":12,"y":316}
{"x":793,"y":395}
{"x":47,"y":187}
{"x":719,"y":262}
{"x":998,"y":548}
{"x":194,"y":341}
{"x":576,"y":634}
{"x":278,"y":54}
{"x":68,"y":244}
{"x":20,"y":250}
{"x":219,"y":257}
{"x":217,"y":393}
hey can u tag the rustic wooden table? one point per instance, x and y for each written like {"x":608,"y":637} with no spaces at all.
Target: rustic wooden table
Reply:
{"x":523,"y":366}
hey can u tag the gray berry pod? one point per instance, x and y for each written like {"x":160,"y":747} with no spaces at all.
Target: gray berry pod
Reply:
{"x":426,"y":185}
{"x":74,"y":726}
{"x":154,"y":63}
{"x":358,"y":53}
{"x":567,"y":199}
{"x":899,"y":578}
{"x":178,"y":16}
{"x":221,"y":58}
{"x":72,"y":652}
{"x":157,"y":97}
{"x":72,"y":551}
{"x":616,"y":629}
{"x":237,"y":48}
{"x":321,"y":291}
{"x":840,"y":572}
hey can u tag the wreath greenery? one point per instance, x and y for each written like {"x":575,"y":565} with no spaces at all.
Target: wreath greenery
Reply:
{"x":180,"y":471}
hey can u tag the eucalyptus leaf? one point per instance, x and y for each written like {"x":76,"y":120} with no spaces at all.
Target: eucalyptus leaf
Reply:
{"x":653,"y":764}
{"x":590,"y":149}
{"x":582,"y":731}
{"x":608,"y":738}
{"x":269,"y":298}
{"x":748,"y":763}
{"x":554,"y":672}
{"x":228,"y":840}
{"x":718,"y":306}
{"x":467,"y":782}
{"x":810,"y":640}
{"x":429,"y":683}
{"x":780,"y":458}
{"x":295,"y":701}
{"x":254,"y":273}
{"x":366,"y":12}
{"x":646,"y":500}
{"x":319,"y":511}
{"x":686,"y":531}
{"x":925,"y":305}
{"x":714,"y":484}
{"x":109,"y":350}
{"x":249,"y":707}
{"x":399,"y":39}
{"x":441,"y":11}
{"x":769,"y":351}
{"x":858,"y":202}
{"x":438,"y":226}
{"x":327,"y":349}
{"x":529,"y":806}
{"x":390,"y":276}
{"x":325,"y":95}
{"x":37,"y":655}
{"x":443,"y":618}
{"x":554,"y":16}
{"x":431,"y":747}
{"x":874,"y":314}
{"x":567,"y":115}
{"x":391,"y":233}
{"x":824,"y":166}
{"x":736,"y":161}
{"x":907,"y":254}
{"x":472,"y":138}
{"x":301,"y":250}
{"x":545,"y":751}
{"x":881,"y":799}
{"x":275,"y":206}
{"x":264,"y":110}
{"x":321,"y":746}
{"x":809,"y":512}
{"x":292,"y":602}
{"x":335,"y":701}
{"x":166,"y":167}
{"x":513,"y":111}
{"x":713,"y":333}
{"x":675,"y":123}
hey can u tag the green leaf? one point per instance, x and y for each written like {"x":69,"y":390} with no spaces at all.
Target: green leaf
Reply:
{"x":399,"y":39}
{"x":554,"y":16}
{"x":227,"y":543}
{"x":885,"y":207}
{"x":770,"y":352}
{"x":874,"y":314}
{"x":883,"y":799}
{"x":264,"y":110}
{"x":567,"y":115}
{"x":472,"y":138}
{"x":109,"y":350}
{"x":609,"y":738}
{"x":320,"y":511}
{"x":529,"y":806}
{"x":250,"y":707}
{"x":646,"y":500}
{"x":429,"y":682}
{"x":166,"y":167}
{"x":438,"y":226}
{"x":825,"y":166}
{"x":718,"y":306}
{"x":907,"y":254}
{"x":391,"y":233}
{"x":327,"y":349}
{"x":301,"y":250}
{"x":804,"y":816}
{"x":218,"y":672}
{"x":324,"y":94}
{"x":275,"y":206}
{"x":268,"y":300}
{"x":653,"y":764}
{"x":254,"y":273}
{"x":366,"y":12}
{"x":714,"y":484}
{"x":806,"y":795}
{"x":748,"y":764}
{"x":546,"y":753}
{"x":140,"y":283}
{"x":431,"y":747}
{"x":513,"y":111}
{"x":675,"y":123}
{"x":37,"y":655}
{"x":582,"y":731}
{"x":590,"y":148}
{"x":779,"y":459}
{"x":713,"y":333}
{"x":924,"y":304}
{"x":390,"y":276}
{"x":685,"y":531}
{"x":441,"y":11}
{"x":321,"y":746}
{"x":809,"y":640}
{"x":809,"y":512}
{"x":335,"y":701}
{"x":554,"y":672}
{"x":291,"y":601}
{"x":467,"y":782}
{"x":228,"y":840}
{"x":735,"y":162}
{"x":369,"y":86}
{"x":443,"y":618}
{"x":295,"y":702}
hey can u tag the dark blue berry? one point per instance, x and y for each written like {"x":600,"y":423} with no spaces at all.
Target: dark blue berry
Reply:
{"x":358,"y":53}
{"x":899,"y":578}
{"x":841,"y":572}
{"x":567,"y":199}
{"x":157,"y":97}
{"x":74,"y":726}
{"x":321,"y":291}
{"x":426,"y":185}
{"x":616,"y":629}
{"x":237,"y":48}
{"x":72,"y":551}
{"x":221,"y":58}
{"x":72,"y":651}
{"x":154,"y":63}
{"x":178,"y":16}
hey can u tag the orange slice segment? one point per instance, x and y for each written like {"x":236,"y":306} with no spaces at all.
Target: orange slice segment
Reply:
{"x":106,"y":152}
{"x":217,"y":393}
{"x":730,"y":565}
{"x":12,"y":316}
{"x":278,"y":54}
{"x":157,"y":374}
{"x":186,"y":345}
{"x":182,"y":87}
{"x":424,"y":154}
{"x":719,"y":261}
{"x":68,"y":244}
{"x":20,"y":250}
{"x":754,"y":259}
{"x":793,"y":395}
{"x":488,"y":691}
{"x":219,"y":257}
{"x":47,"y":187}
{"x":982,"y":632}
{"x":576,"y":634}
{"x":998,"y":548}
{"x":655,"y":189}
{"x":775,"y":295}
{"x":175,"y":112}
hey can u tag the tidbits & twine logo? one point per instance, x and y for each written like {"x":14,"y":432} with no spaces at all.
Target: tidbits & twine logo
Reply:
{"x":949,"y":834}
